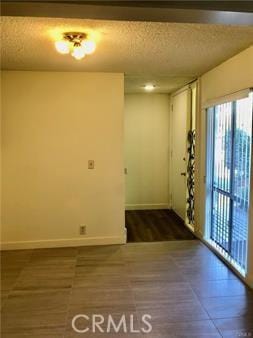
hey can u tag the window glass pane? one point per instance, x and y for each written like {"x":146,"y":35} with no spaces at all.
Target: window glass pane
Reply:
{"x":220,"y":222}
{"x":222,"y":146}
{"x":229,"y":169}
{"x":241,"y":184}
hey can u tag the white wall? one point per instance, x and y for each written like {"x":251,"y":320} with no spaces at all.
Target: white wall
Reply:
{"x":233,"y":75}
{"x":147,"y":150}
{"x":53,"y":123}
{"x":0,"y":159}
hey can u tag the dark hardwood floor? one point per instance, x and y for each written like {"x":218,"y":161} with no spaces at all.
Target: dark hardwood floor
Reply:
{"x":155,"y":225}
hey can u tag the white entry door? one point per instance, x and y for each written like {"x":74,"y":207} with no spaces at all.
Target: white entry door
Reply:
{"x":179,"y":128}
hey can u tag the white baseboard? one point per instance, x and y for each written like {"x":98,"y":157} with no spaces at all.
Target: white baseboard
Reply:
{"x":147,"y":206}
{"x":57,"y":243}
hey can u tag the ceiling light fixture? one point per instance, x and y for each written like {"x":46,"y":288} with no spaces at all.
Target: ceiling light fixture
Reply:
{"x":149,"y":87}
{"x":77,"y":44}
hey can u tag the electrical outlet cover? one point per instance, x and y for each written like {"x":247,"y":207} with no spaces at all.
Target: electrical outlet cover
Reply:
{"x":82,"y":230}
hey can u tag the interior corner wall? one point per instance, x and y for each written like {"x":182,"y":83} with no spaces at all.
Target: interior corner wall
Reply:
{"x":232,"y":75}
{"x":53,"y":123}
{"x":147,"y":151}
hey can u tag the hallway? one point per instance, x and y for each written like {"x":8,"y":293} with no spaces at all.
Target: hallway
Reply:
{"x":155,"y":226}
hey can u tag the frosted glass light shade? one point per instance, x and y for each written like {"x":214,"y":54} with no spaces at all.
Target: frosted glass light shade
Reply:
{"x":62,"y":46}
{"x":78,"y":52}
{"x":149,"y":87}
{"x":89,"y":46}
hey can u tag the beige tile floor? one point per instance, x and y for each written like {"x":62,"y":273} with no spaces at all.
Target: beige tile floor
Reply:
{"x":185,"y":288}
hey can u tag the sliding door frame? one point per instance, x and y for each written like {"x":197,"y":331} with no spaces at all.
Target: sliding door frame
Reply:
{"x":209,"y":114}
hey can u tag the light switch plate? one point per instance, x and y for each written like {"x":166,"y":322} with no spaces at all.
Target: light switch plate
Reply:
{"x":91,"y":164}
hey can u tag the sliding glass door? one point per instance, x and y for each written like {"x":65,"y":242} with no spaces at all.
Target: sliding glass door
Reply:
{"x":228,"y":170}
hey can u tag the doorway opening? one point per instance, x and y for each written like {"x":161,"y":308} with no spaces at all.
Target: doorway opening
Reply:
{"x":159,"y":165}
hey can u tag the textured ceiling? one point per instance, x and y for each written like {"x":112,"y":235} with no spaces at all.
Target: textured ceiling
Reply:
{"x":163,"y":84}
{"x":170,"y":54}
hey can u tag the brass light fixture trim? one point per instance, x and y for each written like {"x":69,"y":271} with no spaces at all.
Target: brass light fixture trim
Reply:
{"x":75,"y":38}
{"x":75,"y":43}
